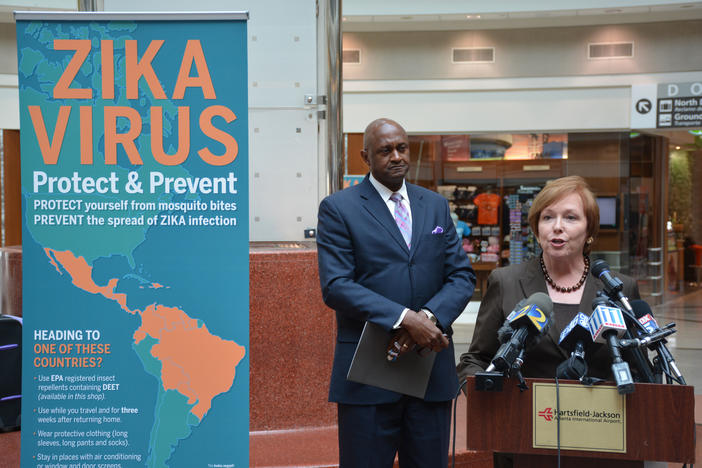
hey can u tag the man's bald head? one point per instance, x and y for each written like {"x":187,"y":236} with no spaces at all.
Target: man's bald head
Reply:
{"x":369,"y":134}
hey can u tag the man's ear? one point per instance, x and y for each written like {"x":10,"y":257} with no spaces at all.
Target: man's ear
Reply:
{"x":364,"y":156}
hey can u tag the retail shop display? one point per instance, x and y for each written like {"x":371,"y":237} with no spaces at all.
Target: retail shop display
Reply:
{"x":522,"y":242}
{"x":494,"y":227}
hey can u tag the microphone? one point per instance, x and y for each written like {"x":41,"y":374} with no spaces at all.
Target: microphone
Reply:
{"x":574,"y":338}
{"x":644,"y":315}
{"x":606,"y":326}
{"x":612,"y":285}
{"x":505,"y":332}
{"x":528,"y":323}
{"x":492,"y":381}
{"x":651,"y":339}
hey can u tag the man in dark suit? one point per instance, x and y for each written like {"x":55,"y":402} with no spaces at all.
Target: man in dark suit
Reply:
{"x":389,"y":254}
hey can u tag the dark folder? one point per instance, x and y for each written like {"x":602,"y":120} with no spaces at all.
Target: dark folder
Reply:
{"x":408,"y":374}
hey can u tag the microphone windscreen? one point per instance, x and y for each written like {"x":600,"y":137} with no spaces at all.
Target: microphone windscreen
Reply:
{"x":504,"y":334}
{"x":598,"y":266}
{"x":542,"y":301}
{"x":640,"y":308}
{"x":644,"y":315}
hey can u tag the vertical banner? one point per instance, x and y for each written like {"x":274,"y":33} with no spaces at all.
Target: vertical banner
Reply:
{"x":135,"y":245}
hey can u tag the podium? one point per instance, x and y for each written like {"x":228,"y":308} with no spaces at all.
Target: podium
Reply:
{"x":660,"y":426}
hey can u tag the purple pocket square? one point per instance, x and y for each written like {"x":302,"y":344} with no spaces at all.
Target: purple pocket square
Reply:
{"x":438,"y":230}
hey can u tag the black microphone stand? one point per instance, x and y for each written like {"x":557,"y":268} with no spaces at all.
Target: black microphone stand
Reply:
{"x":575,"y":367}
{"x":667,"y":362}
{"x":640,"y":361}
{"x":664,"y":362}
{"x":620,"y":369}
{"x":517,"y":371}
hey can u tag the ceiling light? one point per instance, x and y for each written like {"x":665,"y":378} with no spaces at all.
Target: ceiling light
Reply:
{"x":343,"y":19}
{"x":677,"y":147}
{"x":473,"y":16}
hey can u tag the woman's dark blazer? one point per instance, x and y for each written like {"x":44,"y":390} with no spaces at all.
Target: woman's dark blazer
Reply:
{"x":505,"y":288}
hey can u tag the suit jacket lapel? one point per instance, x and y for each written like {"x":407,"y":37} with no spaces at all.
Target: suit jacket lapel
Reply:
{"x":533,"y":282}
{"x":419,"y":211}
{"x":588,"y":295}
{"x":377,"y":208}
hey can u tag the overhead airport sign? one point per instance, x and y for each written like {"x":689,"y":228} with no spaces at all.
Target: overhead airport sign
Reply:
{"x":666,"y":105}
{"x":679,"y":105}
{"x":643,"y":102}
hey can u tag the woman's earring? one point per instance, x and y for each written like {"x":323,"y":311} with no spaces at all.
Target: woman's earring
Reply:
{"x":589,"y":240}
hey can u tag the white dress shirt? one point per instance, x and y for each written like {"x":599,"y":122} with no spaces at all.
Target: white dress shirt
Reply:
{"x":385,"y":193}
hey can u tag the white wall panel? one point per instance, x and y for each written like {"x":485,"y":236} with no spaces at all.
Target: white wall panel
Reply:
{"x":520,"y":53}
{"x":545,"y":82}
{"x":282,"y":54}
{"x":9,"y":102}
{"x":283,"y":136}
{"x":418,"y":7}
{"x":517,"y":110}
{"x":549,"y":104}
{"x":284,"y":183}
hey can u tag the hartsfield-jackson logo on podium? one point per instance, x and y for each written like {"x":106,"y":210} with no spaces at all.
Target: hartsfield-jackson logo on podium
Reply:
{"x":547,"y":414}
{"x":589,"y":418}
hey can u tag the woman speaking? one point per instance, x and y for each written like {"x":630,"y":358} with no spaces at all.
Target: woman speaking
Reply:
{"x":565,"y":219}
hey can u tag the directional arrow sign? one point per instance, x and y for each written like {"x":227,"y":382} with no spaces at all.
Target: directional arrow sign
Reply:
{"x":642,"y":113}
{"x":643,"y":106}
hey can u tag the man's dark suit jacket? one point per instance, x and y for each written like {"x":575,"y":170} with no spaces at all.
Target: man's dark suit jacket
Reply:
{"x":367,"y":273}
{"x":506,"y":287}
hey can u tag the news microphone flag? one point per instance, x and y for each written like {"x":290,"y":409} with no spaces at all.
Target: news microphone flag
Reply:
{"x":606,"y":318}
{"x":649,"y":323}
{"x":532,"y":312}
{"x":579,"y":319}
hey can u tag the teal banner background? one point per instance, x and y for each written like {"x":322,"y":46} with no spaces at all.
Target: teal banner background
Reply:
{"x":136,"y":273}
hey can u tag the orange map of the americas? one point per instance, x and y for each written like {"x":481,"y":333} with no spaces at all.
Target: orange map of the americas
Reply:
{"x":194,"y":362}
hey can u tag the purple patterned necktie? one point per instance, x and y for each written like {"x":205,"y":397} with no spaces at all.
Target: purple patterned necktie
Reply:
{"x":402,"y":218}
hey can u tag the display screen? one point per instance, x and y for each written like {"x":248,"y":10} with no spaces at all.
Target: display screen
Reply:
{"x":609,"y":212}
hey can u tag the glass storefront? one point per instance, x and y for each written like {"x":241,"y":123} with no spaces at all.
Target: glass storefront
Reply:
{"x":490,"y":181}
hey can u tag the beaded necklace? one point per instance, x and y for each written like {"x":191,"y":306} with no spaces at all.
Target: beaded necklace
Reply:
{"x":569,"y":289}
